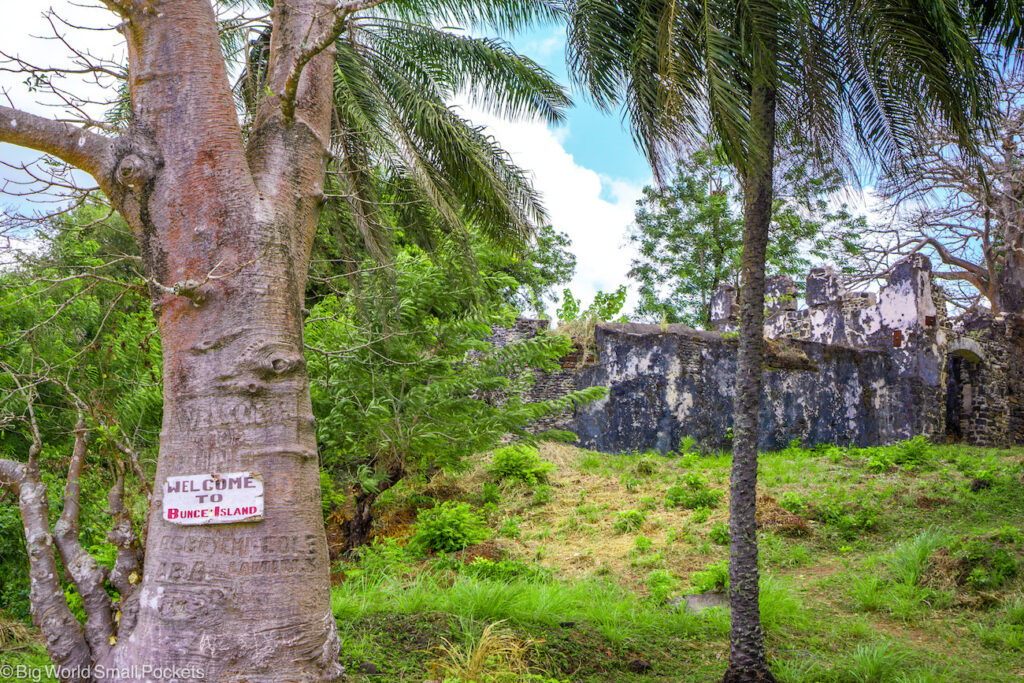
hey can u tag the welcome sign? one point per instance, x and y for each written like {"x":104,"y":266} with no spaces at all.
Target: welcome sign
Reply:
{"x":213,"y":498}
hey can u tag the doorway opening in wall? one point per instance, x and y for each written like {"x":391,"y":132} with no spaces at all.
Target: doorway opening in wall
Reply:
{"x":962,"y":382}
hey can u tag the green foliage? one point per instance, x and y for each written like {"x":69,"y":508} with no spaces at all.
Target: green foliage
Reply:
{"x":519,"y":462}
{"x":330,"y":497}
{"x":628,"y":520}
{"x":449,"y":527}
{"x":688,"y":234}
{"x":797,"y":503}
{"x":692,"y":493}
{"x":660,"y":584}
{"x":393,"y":392}
{"x":912,"y":454}
{"x":489,"y":493}
{"x":606,"y":306}
{"x":849,"y":518}
{"x":719,"y":533}
{"x":505,"y":571}
{"x":510,"y":527}
{"x":988,"y":565}
{"x":714,"y":577}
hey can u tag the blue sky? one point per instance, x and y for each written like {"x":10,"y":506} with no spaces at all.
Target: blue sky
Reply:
{"x":597,"y":139}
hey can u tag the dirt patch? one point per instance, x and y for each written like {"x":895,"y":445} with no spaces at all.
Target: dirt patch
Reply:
{"x":924,"y":502}
{"x":774,"y":517}
{"x":488,"y":550}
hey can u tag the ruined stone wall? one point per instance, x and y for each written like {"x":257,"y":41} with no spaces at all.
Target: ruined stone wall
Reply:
{"x":666,"y":384}
{"x":859,"y":368}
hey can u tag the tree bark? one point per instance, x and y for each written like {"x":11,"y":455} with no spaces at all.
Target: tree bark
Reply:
{"x":747,"y":661}
{"x":1010,"y":214}
{"x":225,"y":227}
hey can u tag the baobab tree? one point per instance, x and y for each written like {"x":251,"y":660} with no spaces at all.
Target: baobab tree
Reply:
{"x":222,"y":188}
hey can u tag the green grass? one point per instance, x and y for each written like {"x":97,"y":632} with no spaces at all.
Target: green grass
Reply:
{"x":853,"y":601}
{"x":907,"y":573}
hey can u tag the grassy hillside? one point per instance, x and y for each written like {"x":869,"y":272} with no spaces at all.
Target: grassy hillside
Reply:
{"x":890,"y":564}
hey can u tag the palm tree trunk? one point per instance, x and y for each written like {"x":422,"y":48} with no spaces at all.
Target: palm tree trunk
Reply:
{"x":747,"y":660}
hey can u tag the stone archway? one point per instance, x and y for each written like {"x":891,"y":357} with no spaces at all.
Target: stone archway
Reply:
{"x":965,"y":364}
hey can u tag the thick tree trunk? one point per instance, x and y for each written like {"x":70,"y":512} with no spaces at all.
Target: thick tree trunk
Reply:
{"x":225,"y":227}
{"x":747,"y":660}
{"x":226,"y":230}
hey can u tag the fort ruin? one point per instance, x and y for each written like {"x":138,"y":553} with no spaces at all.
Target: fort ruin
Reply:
{"x":846,"y":368}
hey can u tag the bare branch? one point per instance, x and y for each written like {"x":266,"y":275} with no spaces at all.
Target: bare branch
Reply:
{"x":65,"y":640}
{"x":82,"y":568}
{"x":85,"y":150}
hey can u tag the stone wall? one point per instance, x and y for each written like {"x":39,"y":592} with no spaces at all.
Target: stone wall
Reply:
{"x":858,"y":368}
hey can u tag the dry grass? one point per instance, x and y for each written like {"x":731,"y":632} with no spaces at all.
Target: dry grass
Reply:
{"x":496,"y":655}
{"x":11,"y":632}
{"x":573,"y":533}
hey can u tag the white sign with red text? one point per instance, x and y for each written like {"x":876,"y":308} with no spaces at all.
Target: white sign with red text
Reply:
{"x":213,"y":498}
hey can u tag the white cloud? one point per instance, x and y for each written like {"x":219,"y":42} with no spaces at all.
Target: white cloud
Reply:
{"x":575,"y":198}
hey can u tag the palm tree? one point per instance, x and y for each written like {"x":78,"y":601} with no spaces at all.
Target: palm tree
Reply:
{"x":843,"y":75}
{"x":402,"y":154}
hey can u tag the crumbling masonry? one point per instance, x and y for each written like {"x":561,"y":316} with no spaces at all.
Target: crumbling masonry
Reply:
{"x":849,"y":368}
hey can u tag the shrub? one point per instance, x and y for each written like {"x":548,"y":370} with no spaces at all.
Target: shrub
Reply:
{"x":449,"y":527}
{"x":505,"y":571}
{"x":720,"y":533}
{"x":794,"y":502}
{"x":542,"y":496}
{"x":914,"y":453}
{"x":642,"y":544}
{"x":714,"y":578}
{"x":628,"y":520}
{"x":987,"y":565}
{"x":645,"y":467}
{"x":660,"y":585}
{"x":848,"y":518}
{"x":683,"y":496}
{"x":510,"y":527}
{"x":490,"y":493}
{"x":519,"y":462}
{"x":701,"y":514}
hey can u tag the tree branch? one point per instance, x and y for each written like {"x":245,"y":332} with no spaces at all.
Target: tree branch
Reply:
{"x":79,"y":147}
{"x":310,"y":49}
{"x":65,"y":640}
{"x":82,"y":568}
{"x":127,"y":574}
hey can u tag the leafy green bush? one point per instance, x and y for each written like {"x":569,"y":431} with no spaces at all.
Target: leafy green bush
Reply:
{"x":642,"y":544}
{"x":449,"y":527}
{"x":660,"y":585}
{"x":519,"y":462}
{"x":714,"y":578}
{"x":692,"y":493}
{"x":719,"y":533}
{"x":542,"y":496}
{"x":510,"y":527}
{"x":330,"y":497}
{"x":490,"y":493}
{"x":915,"y":453}
{"x":989,"y":565}
{"x":794,"y":502}
{"x":701,"y":514}
{"x":628,"y":520}
{"x":849,"y":518}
